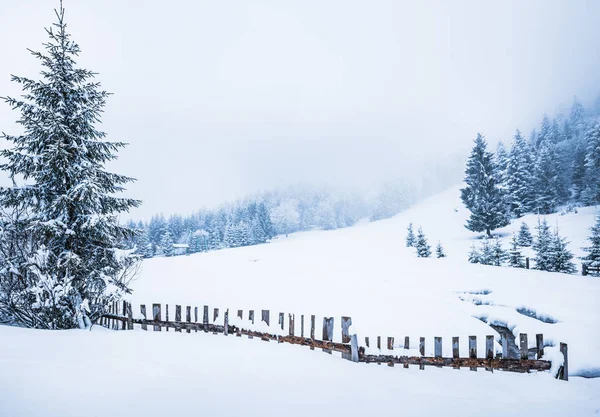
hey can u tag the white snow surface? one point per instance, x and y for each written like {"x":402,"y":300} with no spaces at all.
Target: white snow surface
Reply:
{"x":365,"y":272}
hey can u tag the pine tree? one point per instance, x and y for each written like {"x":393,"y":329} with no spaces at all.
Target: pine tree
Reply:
{"x":423,"y":248}
{"x":519,"y":177}
{"x":410,"y":236}
{"x":439,"y":251}
{"x":591,"y":192}
{"x":560,"y":256}
{"x":487,"y":255}
{"x":166,"y":244}
{"x":143,"y":246}
{"x":577,"y":116}
{"x":543,"y":246}
{"x":474,"y":255}
{"x":501,"y":164}
{"x":592,"y":259}
{"x":525,"y":238}
{"x":515,"y":257}
{"x":75,"y":260}
{"x":482,"y":196}
{"x":499,"y":255}
{"x":547,"y":183}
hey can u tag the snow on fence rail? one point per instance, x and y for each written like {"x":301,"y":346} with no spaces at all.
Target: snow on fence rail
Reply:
{"x":119,"y":318}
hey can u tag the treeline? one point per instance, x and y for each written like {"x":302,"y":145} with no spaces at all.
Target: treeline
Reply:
{"x":259,"y":218}
{"x":559,"y":165}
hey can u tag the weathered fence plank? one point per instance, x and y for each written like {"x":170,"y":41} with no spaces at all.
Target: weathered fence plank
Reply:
{"x":366,"y":341}
{"x":281,"y":320}
{"x":226,"y":323}
{"x":124,"y":312}
{"x":196,"y":316}
{"x":167,"y":316}
{"x":178,"y":317}
{"x":455,"y":347}
{"x":302,"y":325}
{"x":205,"y":318}
{"x":251,"y":316}
{"x":437,"y":347}
{"x":265,"y":316}
{"x":346,"y":323}
{"x":156,"y":316}
{"x":188,"y":318}
{"x":539,"y":341}
{"x":379,"y":342}
{"x":240,"y":314}
{"x":129,"y":317}
{"x":505,"y":352}
{"x":215,"y":314}
{"x":390,"y":343}
{"x":489,"y":347}
{"x":354,"y":348}
{"x":312,"y":326}
{"x":473,"y":350}
{"x":291,"y":326}
{"x":143,"y":313}
{"x":523,"y":346}
{"x":563,"y":372}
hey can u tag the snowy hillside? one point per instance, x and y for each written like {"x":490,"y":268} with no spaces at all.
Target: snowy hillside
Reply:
{"x":366,"y":272}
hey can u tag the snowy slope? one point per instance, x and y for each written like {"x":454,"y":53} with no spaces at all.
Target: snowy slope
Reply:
{"x":366,"y":272}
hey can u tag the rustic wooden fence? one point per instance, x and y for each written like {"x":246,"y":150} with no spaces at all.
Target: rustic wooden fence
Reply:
{"x":120,"y":317}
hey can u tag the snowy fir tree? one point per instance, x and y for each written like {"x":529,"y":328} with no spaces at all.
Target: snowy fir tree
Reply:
{"x":501,"y":159}
{"x":546,"y":179}
{"x":439,"y":251}
{"x":166,"y":244}
{"x":486,"y":253}
{"x":515,"y":257}
{"x":592,"y":259}
{"x":591,"y":188}
{"x":519,"y":177}
{"x":524,"y":238}
{"x":482,"y":195}
{"x":410,"y":236}
{"x":73,"y":264}
{"x":499,"y":255}
{"x":542,"y":246}
{"x":423,"y":248}
{"x":474,"y":255}
{"x":560,"y":256}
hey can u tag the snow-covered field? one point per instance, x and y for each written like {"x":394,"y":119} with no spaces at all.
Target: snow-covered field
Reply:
{"x":365,"y":272}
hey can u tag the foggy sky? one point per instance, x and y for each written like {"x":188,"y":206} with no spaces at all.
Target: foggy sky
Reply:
{"x":221,"y":99}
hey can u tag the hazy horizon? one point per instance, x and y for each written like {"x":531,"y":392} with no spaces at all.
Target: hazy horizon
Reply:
{"x":219,"y":101}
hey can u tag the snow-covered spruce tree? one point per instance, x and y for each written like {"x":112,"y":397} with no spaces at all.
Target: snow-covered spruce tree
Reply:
{"x":499,"y":255}
{"x":410,"y":236}
{"x":519,"y":177}
{"x":423,"y":248}
{"x":542,"y":246}
{"x":515,"y":257}
{"x":501,"y":159}
{"x":439,"y":251}
{"x":592,"y":259}
{"x":560,"y":256}
{"x":482,"y":195}
{"x":71,"y":264}
{"x":486,"y":254}
{"x":474,"y":255}
{"x":591,"y":187}
{"x":524,"y":238}
{"x":166,"y":243}
{"x":546,"y":180}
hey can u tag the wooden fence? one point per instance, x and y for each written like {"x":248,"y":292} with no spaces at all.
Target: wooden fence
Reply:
{"x":120,"y":317}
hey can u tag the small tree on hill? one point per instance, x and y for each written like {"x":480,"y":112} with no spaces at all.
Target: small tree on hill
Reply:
{"x":524,"y":238}
{"x":439,"y":251}
{"x":474,"y":255}
{"x":499,"y":254}
{"x":592,"y":259}
{"x":515,"y":257}
{"x":166,"y":243}
{"x":486,"y":253}
{"x":423,"y":248}
{"x":542,"y":247}
{"x":560,"y":256}
{"x":410,"y":236}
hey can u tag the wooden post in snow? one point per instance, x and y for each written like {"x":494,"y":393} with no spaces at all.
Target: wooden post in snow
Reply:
{"x":505,"y":353}
{"x":205,"y":319}
{"x":473,"y":349}
{"x":437,"y":346}
{"x":406,"y":347}
{"x":177,"y":318}
{"x":281,"y":320}
{"x":563,"y":372}
{"x":291,"y":327}
{"x":390,"y":343}
{"x":215,"y":314}
{"x":527,"y":262}
{"x":523,"y":346}
{"x":251,"y":316}
{"x":240,"y":314}
{"x":302,"y":325}
{"x":265,"y":316}
{"x":124,"y":313}
{"x":196,"y":317}
{"x":366,"y":341}
{"x":489,"y":347}
{"x":422,"y":351}
{"x":156,"y":315}
{"x":539,"y":341}
{"x":327,"y":331}
{"x":129,"y":317}
{"x":143,"y":312}
{"x":167,"y":316}
{"x":226,"y":323}
{"x":346,"y":323}
{"x":455,"y":348}
{"x":354,"y":348}
{"x":312,"y":326}
{"x":379,"y":342}
{"x":188,"y":317}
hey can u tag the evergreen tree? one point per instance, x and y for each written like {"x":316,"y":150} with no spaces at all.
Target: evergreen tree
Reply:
{"x":474,"y":255}
{"x":482,"y":196}
{"x":543,"y":246}
{"x":423,"y":248}
{"x":591,"y":193}
{"x":410,"y":236}
{"x":499,"y":255}
{"x":166,"y":244}
{"x":486,"y":254}
{"x":519,"y":177}
{"x":547,"y":183}
{"x":577,"y":116}
{"x":592,"y":259}
{"x":515,"y":258}
{"x":501,"y":164}
{"x":525,"y":238}
{"x":439,"y":251}
{"x":560,"y":256}
{"x":143,"y":246}
{"x":74,"y":263}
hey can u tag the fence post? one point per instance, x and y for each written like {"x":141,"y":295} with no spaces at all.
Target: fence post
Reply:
{"x":379,"y":342}
{"x":327,"y":331}
{"x":177,"y":318}
{"x":527,"y":262}
{"x":505,"y":354}
{"x":281,"y":320}
{"x":302,"y":325}
{"x":129,"y":317}
{"x":563,"y":372}
{"x":489,"y":347}
{"x":539,"y":341}
{"x":196,"y":318}
{"x":312,"y":326}
{"x":251,"y":316}
{"x":215,"y":314}
{"x":473,"y":350}
{"x":188,"y":317}
{"x":143,"y":312}
{"x":291,"y":326}
{"x":390,"y":343}
{"x":437,"y":346}
{"x":226,"y":323}
{"x":156,"y":316}
{"x":354,"y":348}
{"x":240,"y":314}
{"x":265,"y":316}
{"x":455,"y":350}
{"x":523,"y":346}
{"x":367,"y":341}
{"x":124,"y":313}
{"x":422,"y":351}
{"x":205,"y":319}
{"x":167,"y":316}
{"x":346,"y":323}
{"x":584,"y":269}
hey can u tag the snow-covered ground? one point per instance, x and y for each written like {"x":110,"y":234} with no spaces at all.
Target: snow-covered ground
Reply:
{"x":365,"y":272}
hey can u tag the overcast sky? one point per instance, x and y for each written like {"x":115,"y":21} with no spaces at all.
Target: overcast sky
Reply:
{"x":219,"y":99}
